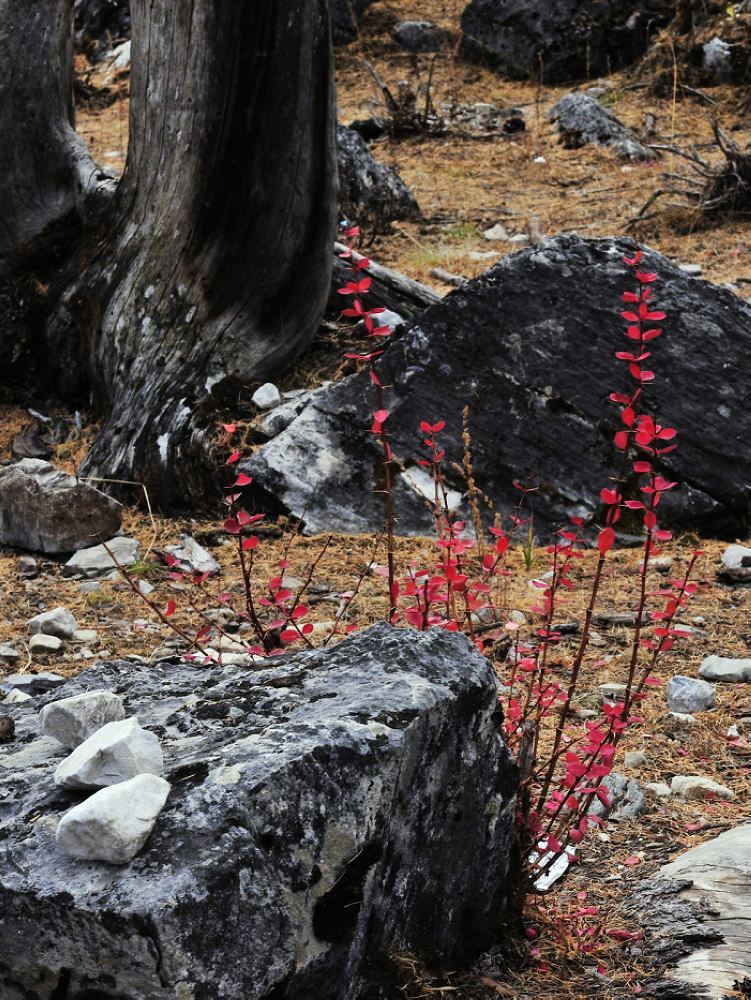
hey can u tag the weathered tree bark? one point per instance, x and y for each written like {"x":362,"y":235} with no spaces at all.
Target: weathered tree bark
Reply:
{"x":46,"y":172}
{"x":212,"y":267}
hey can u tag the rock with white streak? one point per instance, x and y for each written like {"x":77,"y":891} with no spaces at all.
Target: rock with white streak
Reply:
{"x":722,"y":668}
{"x":73,"y":720}
{"x":113,"y":824}
{"x":192,"y":557}
{"x":695,"y":786}
{"x":736,"y":557}
{"x":116,"y":752}
{"x":58,"y":621}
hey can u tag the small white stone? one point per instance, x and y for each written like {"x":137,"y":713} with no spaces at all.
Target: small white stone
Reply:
{"x":695,"y":786}
{"x":266,"y":396}
{"x":16,"y":696}
{"x":736,"y":557}
{"x":658,"y":788}
{"x":85,"y":635}
{"x":59,"y":622}
{"x":498,"y":232}
{"x":113,"y":824}
{"x":45,"y":643}
{"x":115,"y":753}
{"x":72,"y":720}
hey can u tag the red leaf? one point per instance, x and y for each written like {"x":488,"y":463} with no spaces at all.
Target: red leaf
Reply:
{"x":606,"y":540}
{"x":170,"y":609}
{"x":243,"y":480}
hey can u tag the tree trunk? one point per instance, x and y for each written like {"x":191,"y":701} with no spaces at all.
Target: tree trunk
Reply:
{"x":46,"y":172}
{"x":213,"y":266}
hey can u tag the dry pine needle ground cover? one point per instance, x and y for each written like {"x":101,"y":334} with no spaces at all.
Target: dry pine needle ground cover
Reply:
{"x":465,"y":186}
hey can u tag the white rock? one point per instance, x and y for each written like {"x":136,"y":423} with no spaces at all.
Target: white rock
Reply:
{"x":695,"y":786}
{"x":120,"y":56}
{"x":72,"y":720}
{"x":97,"y":561}
{"x":116,"y":752}
{"x":85,"y":635}
{"x":45,"y":643}
{"x":113,"y":824}
{"x":721,"y":668}
{"x":16,"y":696}
{"x":612,"y":692}
{"x":687,"y":694}
{"x":736,"y":557}
{"x":498,"y":232}
{"x":266,"y":396}
{"x":683,"y":718}
{"x":693,"y":270}
{"x":192,"y":557}
{"x":58,"y":621}
{"x":658,"y":788}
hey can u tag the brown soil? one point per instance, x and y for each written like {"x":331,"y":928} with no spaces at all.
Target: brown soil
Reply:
{"x":464,"y":186}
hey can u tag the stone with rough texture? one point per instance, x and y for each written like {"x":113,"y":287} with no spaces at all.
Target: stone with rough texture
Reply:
{"x":97,"y":561}
{"x":369,"y":191}
{"x":695,"y":786}
{"x":114,"y":823}
{"x":72,"y":720}
{"x":328,"y":811}
{"x":58,"y":621}
{"x":115,"y":752}
{"x":687,"y":694}
{"x":420,"y":36}
{"x":723,"y":668}
{"x":529,"y":347}
{"x":580,"y":120}
{"x":695,"y":912}
{"x":192,"y":557}
{"x":560,"y":40}
{"x":45,"y":510}
{"x":15,"y":696}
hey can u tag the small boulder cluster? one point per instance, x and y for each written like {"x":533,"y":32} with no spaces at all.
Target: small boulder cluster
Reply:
{"x":116,"y":760}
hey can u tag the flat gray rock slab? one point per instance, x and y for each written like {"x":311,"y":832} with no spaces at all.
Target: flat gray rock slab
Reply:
{"x":327,"y":811}
{"x":724,"y":668}
{"x":101,"y":559}
{"x":696,"y":910}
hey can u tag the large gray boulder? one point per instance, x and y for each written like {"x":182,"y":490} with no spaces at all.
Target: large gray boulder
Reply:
{"x":327,"y":811}
{"x":560,"y":40}
{"x":529,"y":346}
{"x":45,"y":510}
